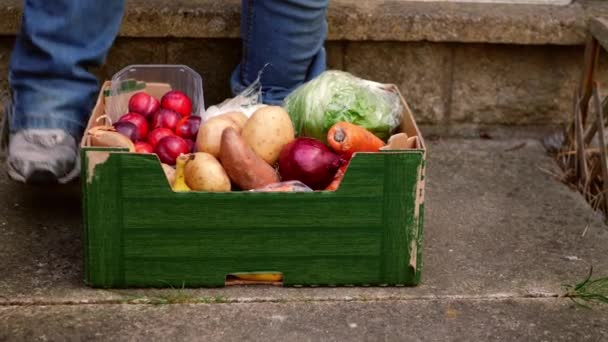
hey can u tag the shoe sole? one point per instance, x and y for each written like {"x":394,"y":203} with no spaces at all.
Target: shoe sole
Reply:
{"x":41,"y":177}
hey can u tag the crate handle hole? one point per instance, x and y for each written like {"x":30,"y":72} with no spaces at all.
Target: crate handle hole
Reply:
{"x":254,"y":278}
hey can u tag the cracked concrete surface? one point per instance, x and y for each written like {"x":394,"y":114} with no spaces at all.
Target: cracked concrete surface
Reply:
{"x":501,"y":238}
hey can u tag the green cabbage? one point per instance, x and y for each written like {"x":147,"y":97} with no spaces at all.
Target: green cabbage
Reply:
{"x":335,"y":96}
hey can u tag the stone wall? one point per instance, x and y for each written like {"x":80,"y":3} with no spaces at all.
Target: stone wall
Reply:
{"x":445,"y":83}
{"x":458,"y":64}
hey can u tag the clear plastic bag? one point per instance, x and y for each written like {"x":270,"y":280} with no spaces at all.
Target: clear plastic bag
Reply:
{"x":335,"y":96}
{"x":247,"y":102}
{"x":288,"y":186}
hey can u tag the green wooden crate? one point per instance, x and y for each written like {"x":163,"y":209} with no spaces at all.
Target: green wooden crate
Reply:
{"x":139,"y":233}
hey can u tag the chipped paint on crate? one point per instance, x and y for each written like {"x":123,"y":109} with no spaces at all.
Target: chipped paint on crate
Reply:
{"x":95,"y":158}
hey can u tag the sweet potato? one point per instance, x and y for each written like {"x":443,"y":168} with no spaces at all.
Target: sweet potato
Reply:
{"x":242,"y":165}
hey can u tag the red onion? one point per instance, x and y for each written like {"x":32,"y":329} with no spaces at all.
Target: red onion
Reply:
{"x":309,"y":161}
{"x":191,"y":145}
{"x":127,"y":129}
{"x":139,"y":121}
{"x":188,"y":126}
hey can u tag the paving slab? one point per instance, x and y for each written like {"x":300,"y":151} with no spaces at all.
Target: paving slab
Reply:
{"x":496,"y":227}
{"x":414,"y":320}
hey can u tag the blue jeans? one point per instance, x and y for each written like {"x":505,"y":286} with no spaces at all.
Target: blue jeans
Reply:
{"x":288,"y":35}
{"x":60,"y":39}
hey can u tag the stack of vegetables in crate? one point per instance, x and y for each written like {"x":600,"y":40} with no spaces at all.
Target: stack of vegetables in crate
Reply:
{"x":305,"y":145}
{"x":331,"y":184}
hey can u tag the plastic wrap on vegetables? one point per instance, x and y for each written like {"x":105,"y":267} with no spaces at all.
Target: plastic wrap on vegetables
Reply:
{"x":336,"y":96}
{"x":289,"y":186}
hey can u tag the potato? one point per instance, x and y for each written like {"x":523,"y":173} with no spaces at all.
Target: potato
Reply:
{"x":245,"y":168}
{"x":205,"y":173}
{"x":267,"y":131}
{"x":210,"y":134}
{"x":237,"y":117}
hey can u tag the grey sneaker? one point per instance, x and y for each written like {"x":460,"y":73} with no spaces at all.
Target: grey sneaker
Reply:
{"x":42,"y":156}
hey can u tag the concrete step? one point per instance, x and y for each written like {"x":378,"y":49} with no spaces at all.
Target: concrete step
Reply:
{"x":391,"y":320}
{"x":502,"y":236}
{"x":496,"y":225}
{"x":363,"y":20}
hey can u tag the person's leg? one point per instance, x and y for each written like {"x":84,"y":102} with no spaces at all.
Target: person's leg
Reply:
{"x":52,"y":90}
{"x":288,"y":35}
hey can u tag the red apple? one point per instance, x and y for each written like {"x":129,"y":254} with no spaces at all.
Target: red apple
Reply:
{"x":143,"y":147}
{"x":143,"y":104}
{"x":165,"y":118}
{"x":170,"y":147}
{"x":187,"y":127}
{"x":191,"y":145}
{"x":177,"y":101}
{"x":157,"y":134}
{"x":139,"y":121}
{"x":127,"y":129}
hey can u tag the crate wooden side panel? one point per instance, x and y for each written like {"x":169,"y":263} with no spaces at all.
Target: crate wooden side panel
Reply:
{"x":417,"y":232}
{"x":102,"y":210}
{"x":140,"y":233}
{"x":399,"y":194}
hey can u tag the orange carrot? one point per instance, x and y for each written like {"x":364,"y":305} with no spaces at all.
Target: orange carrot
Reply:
{"x":333,"y":186}
{"x":347,"y":138}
